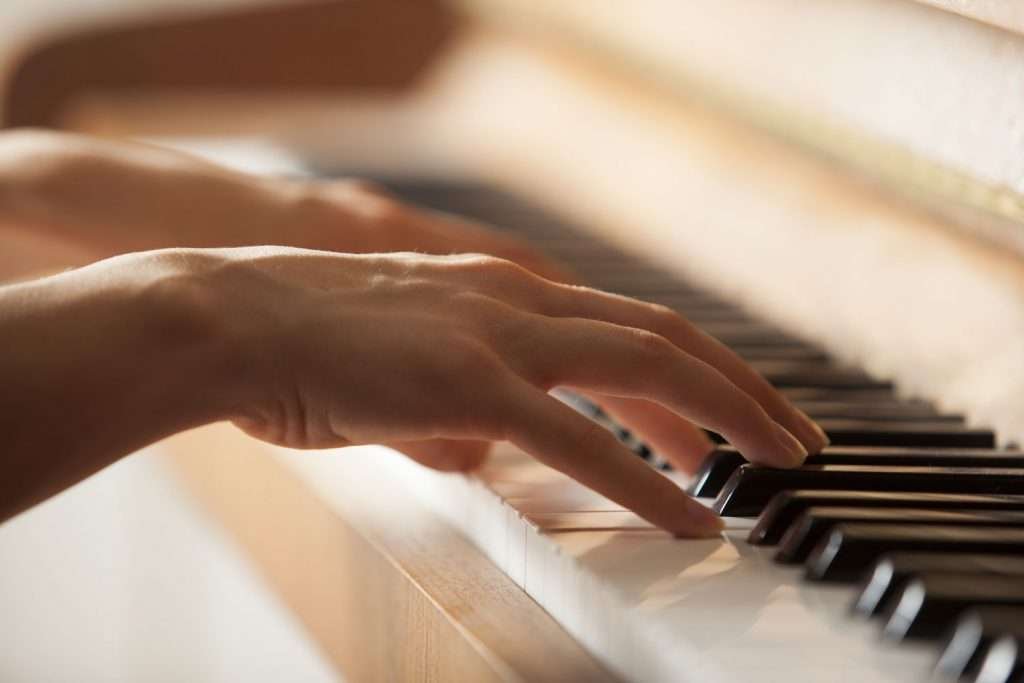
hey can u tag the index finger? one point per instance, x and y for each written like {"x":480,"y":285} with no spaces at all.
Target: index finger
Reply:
{"x":561,"y":438}
{"x":571,"y":301}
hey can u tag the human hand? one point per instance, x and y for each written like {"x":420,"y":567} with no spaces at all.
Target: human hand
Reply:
{"x":399,"y":348}
{"x":111,"y":197}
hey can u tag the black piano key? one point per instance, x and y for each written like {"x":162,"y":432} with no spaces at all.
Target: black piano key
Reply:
{"x":921,"y":433}
{"x":891,"y":571}
{"x":970,"y":637}
{"x":751,"y":486}
{"x":846,"y":553}
{"x":714,"y":471}
{"x":744,"y":334}
{"x":720,"y":464}
{"x":785,"y":507}
{"x":903,"y":434}
{"x":1003,"y":662}
{"x":797,"y":353}
{"x":696,"y":300}
{"x":929,"y":604}
{"x":783,"y":373}
{"x":808,"y":529}
{"x":882,"y":410}
{"x":800,"y":394}
{"x":712,"y":314}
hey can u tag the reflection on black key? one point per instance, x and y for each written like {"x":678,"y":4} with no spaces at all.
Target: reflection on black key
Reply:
{"x":928,"y":605}
{"x":849,"y":550}
{"x":716,"y":469}
{"x":1003,"y":662}
{"x":809,"y":528}
{"x":892,"y":570}
{"x":971,"y":635}
{"x":779,"y":514}
{"x":751,"y":486}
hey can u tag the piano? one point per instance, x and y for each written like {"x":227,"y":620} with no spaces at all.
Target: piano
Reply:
{"x":835,"y":192}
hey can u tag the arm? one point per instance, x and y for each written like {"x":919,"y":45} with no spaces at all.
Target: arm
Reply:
{"x":96,"y":363}
{"x":312,"y":349}
{"x":108,"y":197}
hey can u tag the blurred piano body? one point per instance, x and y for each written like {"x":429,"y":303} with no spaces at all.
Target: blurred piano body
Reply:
{"x":840,"y":182}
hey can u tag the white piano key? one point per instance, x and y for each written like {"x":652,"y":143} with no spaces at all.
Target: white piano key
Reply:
{"x":651,"y":607}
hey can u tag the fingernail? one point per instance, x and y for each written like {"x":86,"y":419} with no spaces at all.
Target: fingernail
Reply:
{"x":791,"y":451}
{"x":814,"y":437}
{"x":703,"y":523}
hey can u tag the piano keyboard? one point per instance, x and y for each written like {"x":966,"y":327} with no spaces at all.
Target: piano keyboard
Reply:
{"x":895,"y":553}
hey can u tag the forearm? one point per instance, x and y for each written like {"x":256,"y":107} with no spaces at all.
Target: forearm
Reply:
{"x":110,"y":197}
{"x":97,"y":363}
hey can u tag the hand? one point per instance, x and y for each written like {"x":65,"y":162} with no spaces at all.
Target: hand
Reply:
{"x":102,"y":194}
{"x":347,"y":349}
{"x":113,"y":197}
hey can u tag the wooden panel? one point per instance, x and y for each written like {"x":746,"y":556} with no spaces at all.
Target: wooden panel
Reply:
{"x":387,"y":590}
{"x":322,"y":46}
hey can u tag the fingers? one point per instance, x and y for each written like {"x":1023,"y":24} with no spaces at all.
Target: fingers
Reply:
{"x":682,"y":333}
{"x":558,"y":300}
{"x":563,"y":439}
{"x":675,"y":439}
{"x":632,"y":363}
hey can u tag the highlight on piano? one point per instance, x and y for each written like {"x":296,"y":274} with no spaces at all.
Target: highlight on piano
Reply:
{"x":672,"y":342}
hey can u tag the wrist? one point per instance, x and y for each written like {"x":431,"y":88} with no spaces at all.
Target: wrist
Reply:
{"x":150,"y":324}
{"x":188,"y":320}
{"x":99,"y":362}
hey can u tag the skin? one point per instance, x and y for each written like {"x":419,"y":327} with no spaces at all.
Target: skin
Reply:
{"x":368,"y":325}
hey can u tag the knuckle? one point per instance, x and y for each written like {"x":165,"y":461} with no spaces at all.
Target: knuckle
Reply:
{"x":471,"y":358}
{"x":664,"y":320}
{"x":652,"y":345}
{"x":519,"y":253}
{"x":494,"y":267}
{"x":366,"y":187}
{"x":663,"y":314}
{"x":379,"y":207}
{"x":384,"y":208}
{"x":366,"y":199}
